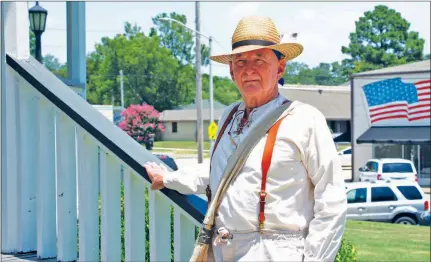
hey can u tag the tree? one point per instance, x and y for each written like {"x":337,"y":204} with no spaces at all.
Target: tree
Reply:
{"x":381,"y":39}
{"x":178,"y":38}
{"x":225,"y":90}
{"x":323,"y":74}
{"x":151,"y":73}
{"x":140,"y":122}
{"x":32,"y":43}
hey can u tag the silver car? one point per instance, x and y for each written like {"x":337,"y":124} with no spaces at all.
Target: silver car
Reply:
{"x":386,"y":201}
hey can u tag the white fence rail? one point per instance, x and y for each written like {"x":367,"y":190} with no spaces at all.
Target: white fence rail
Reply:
{"x":61,"y":190}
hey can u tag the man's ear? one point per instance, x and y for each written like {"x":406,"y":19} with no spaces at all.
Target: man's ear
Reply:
{"x":281,"y":69}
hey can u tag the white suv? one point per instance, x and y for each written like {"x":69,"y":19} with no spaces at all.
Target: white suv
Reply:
{"x":400,"y":202}
{"x":388,"y":169}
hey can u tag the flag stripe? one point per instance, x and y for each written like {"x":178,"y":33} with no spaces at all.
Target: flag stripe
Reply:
{"x":420,"y":112}
{"x":419,"y":118}
{"x":424,"y":88}
{"x":377,"y":108}
{"x":423,"y":82}
{"x":392,"y":111}
{"x":418,"y":106}
{"x":388,"y":117}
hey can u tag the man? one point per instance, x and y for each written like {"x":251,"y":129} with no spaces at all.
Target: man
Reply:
{"x":305,"y":207}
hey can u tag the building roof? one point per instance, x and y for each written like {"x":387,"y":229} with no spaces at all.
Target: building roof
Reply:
{"x":205,"y":104}
{"x":421,"y":66}
{"x":188,"y":115}
{"x":332,"y":101}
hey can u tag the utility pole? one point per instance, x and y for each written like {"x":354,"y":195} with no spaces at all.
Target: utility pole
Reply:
{"x":121,"y":88}
{"x":200,"y":133}
{"x":211,"y":90}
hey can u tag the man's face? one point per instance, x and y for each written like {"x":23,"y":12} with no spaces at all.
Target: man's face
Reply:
{"x":256,"y":73}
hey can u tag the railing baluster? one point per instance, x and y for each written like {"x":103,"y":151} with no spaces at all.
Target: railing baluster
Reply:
{"x":46,"y":227}
{"x":88,"y":188}
{"x":66,"y":188}
{"x":110,"y":194}
{"x":184,"y":236}
{"x":160,"y":227}
{"x":10,"y":193}
{"x":134,"y":202}
{"x":27,"y":165}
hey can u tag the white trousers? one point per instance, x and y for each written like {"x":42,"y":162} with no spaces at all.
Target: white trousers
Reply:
{"x":253,"y":246}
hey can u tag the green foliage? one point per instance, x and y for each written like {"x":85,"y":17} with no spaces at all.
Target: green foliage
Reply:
{"x":323,"y":74}
{"x":347,"y":252}
{"x":178,"y":39}
{"x":381,"y":39}
{"x":151,"y":73}
{"x":225,"y":90}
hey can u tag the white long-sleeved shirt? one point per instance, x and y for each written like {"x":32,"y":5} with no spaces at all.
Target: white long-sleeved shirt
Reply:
{"x":305,"y":184}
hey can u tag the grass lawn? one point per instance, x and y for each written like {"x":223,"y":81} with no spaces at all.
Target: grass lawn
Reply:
{"x":389,"y":242}
{"x":181,"y":144}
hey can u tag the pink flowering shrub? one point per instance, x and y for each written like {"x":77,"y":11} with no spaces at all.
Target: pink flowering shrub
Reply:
{"x":141,"y":121}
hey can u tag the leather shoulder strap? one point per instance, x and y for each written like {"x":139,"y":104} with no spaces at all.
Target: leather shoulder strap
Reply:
{"x":266,"y":163}
{"x":223,"y":128}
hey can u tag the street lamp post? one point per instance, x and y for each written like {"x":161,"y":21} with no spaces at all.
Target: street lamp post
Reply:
{"x":210,"y":39}
{"x":37,"y":16}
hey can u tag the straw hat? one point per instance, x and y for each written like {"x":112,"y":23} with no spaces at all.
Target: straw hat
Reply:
{"x":254,"y":32}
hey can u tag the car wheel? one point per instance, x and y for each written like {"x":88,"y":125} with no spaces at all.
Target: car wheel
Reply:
{"x":405,"y":221}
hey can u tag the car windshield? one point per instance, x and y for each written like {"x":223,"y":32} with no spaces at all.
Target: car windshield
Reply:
{"x":397,"y":168}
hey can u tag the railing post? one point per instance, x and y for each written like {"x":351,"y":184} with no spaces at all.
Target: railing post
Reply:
{"x":88,"y":197}
{"x":110,"y":194}
{"x":160,"y":227}
{"x":15,"y":24}
{"x":46,"y":212}
{"x":184,"y":236}
{"x":66,"y":188}
{"x":134,"y":216}
{"x":28,"y":143}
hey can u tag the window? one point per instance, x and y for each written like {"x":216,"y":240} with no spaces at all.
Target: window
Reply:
{"x":372,"y":166}
{"x":410,"y":192}
{"x":388,"y":151}
{"x":347,"y":152}
{"x":358,"y":195}
{"x":174,"y":127}
{"x":397,"y":168}
{"x":380,"y":194}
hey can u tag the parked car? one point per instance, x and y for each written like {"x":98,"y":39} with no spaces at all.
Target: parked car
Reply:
{"x":386,"y":201}
{"x":388,"y":169}
{"x":169,"y":161}
{"x":424,"y":218}
{"x":346,"y":157}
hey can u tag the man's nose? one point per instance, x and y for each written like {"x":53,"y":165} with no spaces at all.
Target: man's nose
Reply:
{"x":249,"y":69}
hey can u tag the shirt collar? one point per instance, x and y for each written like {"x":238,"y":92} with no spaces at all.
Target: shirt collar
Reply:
{"x":258,"y":112}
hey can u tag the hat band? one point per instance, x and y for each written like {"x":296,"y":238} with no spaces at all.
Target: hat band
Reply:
{"x":252,"y":42}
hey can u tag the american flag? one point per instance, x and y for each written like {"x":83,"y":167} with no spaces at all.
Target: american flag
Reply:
{"x":394,"y":99}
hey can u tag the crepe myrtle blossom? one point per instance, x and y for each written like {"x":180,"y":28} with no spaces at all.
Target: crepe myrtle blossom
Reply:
{"x":140,"y":121}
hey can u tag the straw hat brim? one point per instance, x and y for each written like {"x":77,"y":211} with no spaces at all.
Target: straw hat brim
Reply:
{"x":288,"y":50}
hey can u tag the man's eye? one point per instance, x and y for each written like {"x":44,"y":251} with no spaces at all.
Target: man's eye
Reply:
{"x":240,"y":62}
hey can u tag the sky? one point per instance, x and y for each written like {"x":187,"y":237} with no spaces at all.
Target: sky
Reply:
{"x":322,"y":27}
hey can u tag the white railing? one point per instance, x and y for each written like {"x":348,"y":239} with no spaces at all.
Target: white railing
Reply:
{"x":62,"y":187}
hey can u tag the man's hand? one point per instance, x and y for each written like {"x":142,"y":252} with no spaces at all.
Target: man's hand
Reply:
{"x":156,"y":173}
